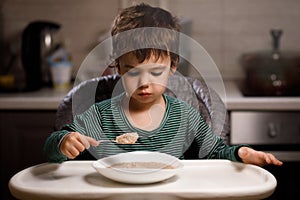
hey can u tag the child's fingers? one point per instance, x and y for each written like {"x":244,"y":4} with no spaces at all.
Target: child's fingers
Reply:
{"x":260,"y":158}
{"x":84,"y":141}
{"x":271,"y":159}
{"x":73,"y":152}
{"x":74,"y":143}
{"x":88,"y":141}
{"x":92,"y":141}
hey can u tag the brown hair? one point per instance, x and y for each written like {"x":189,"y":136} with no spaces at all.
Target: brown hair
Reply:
{"x":159,"y":41}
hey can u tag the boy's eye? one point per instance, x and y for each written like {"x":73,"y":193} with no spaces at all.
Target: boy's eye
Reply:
{"x":156,"y":73}
{"x":133,"y":73}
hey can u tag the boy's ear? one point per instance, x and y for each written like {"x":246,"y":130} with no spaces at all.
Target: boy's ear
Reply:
{"x":173,"y":69}
{"x":173,"y":66}
{"x":117,"y":67}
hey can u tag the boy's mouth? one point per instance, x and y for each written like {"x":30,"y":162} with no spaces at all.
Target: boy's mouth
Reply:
{"x":143,"y":94}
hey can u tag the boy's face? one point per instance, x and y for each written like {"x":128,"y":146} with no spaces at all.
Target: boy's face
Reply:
{"x":144,"y":82}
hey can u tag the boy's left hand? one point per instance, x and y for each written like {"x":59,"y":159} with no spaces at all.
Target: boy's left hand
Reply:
{"x":260,"y":158}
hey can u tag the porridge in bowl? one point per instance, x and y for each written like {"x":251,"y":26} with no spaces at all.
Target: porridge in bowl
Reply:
{"x":138,"y":167}
{"x":145,"y":165}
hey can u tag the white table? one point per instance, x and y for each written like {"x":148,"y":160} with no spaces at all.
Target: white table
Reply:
{"x":198,"y":179}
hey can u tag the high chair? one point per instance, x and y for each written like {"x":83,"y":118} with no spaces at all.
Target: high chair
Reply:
{"x":192,"y":90}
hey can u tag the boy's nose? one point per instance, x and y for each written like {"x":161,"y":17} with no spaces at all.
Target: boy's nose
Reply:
{"x":144,"y":81}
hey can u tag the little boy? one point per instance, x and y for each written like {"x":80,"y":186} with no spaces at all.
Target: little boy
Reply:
{"x":164,"y":123}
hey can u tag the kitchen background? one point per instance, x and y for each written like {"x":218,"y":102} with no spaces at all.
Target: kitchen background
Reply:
{"x":225,"y":28}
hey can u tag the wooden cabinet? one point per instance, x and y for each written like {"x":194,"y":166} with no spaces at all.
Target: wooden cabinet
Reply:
{"x":23,"y":133}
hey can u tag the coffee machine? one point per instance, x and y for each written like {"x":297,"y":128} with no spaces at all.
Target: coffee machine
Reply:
{"x":37,"y":38}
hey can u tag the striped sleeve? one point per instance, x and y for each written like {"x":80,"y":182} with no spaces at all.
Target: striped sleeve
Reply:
{"x":51,"y":147}
{"x":210,"y":145}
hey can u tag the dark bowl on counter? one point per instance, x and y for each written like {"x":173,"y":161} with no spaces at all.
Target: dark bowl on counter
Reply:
{"x":271,"y":73}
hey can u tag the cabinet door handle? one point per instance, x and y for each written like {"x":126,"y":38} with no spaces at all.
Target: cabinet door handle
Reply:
{"x":272,"y":130}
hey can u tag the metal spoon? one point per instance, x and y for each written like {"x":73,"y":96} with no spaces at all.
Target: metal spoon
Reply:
{"x":106,"y":140}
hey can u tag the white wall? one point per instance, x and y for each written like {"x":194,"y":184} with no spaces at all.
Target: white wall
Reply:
{"x":228,"y":28}
{"x":225,"y":28}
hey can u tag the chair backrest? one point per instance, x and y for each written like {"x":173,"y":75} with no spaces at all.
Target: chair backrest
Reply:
{"x":192,"y":90}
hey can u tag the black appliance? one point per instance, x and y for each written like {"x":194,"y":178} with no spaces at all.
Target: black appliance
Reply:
{"x":36,"y":36}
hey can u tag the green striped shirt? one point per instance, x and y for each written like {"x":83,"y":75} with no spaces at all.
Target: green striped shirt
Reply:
{"x":181,"y":125}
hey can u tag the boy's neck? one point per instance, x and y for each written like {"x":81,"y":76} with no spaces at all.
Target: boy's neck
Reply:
{"x":146,"y":117}
{"x":134,"y":106}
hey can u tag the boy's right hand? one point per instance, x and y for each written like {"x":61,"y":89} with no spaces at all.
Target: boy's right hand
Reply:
{"x":74,"y":143}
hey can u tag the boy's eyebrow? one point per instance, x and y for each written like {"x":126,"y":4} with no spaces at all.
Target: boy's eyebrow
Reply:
{"x":159,"y":67}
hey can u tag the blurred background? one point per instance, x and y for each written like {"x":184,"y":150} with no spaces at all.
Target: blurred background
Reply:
{"x":225,"y":28}
{"x":63,"y":33}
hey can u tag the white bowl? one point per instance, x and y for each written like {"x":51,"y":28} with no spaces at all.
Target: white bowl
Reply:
{"x":138,"y":175}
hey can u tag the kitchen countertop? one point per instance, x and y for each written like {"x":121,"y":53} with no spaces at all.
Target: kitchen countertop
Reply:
{"x":236,"y":101}
{"x":49,"y":99}
{"x":43,"y":99}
